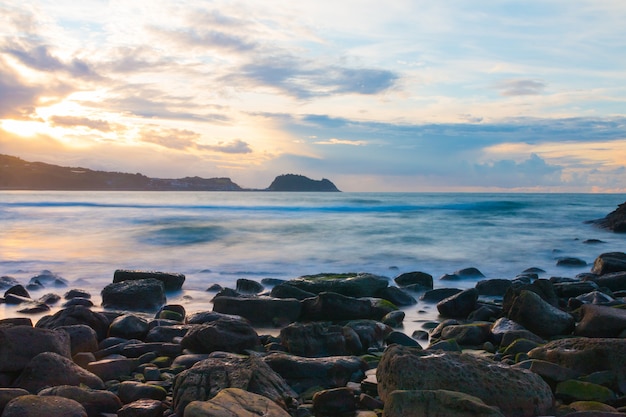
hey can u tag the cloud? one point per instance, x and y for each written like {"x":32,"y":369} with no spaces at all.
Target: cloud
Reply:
{"x":178,"y":139}
{"x":236,"y":146}
{"x":335,"y":141}
{"x":72,"y":121}
{"x":40,"y":59}
{"x":522,"y":87}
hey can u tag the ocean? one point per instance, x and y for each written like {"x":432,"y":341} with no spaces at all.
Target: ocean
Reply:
{"x":218,"y":237}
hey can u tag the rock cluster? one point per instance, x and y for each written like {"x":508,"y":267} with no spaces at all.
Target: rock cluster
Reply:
{"x":518,"y":347}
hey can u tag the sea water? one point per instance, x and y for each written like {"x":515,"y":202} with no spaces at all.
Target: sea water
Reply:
{"x":218,"y":237}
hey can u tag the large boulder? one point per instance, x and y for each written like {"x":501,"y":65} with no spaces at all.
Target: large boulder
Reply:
{"x":330,"y":306}
{"x":415,"y":278}
{"x":601,"y":321}
{"x":207,"y":378}
{"x":171,"y":281}
{"x":94,"y":401}
{"x":129,"y":326}
{"x":304,"y":373}
{"x":235,"y":402}
{"x":38,"y":406}
{"x":352,"y":285}
{"x":139,"y":295}
{"x":319,"y":339}
{"x":614,"y":281}
{"x":609,"y":262}
{"x":584,"y":355}
{"x":82,"y":338}
{"x":50,"y":369}
{"x":260,"y":310}
{"x":459,"y":305}
{"x":20,"y":344}
{"x":77,"y":315}
{"x":435,"y":403}
{"x":517,"y":392}
{"x":225,"y":334}
{"x":615,"y":220}
{"x":541,"y":318}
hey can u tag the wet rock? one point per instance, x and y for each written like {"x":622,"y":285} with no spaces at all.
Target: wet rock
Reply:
{"x":574,"y":390}
{"x":286,"y":290}
{"x":136,"y":350}
{"x":207,"y":378}
{"x":473,"y":334}
{"x":601,"y":321}
{"x":50,"y":369}
{"x":574,"y":289}
{"x":541,"y":318}
{"x":570,"y":261}
{"x":609,"y":262}
{"x":82,"y":338}
{"x":19,"y":291}
{"x":334,"y":401}
{"x":174,"y":312}
{"x":235,"y":402}
{"x":95,"y":402}
{"x":515,"y":391}
{"x":77,"y":315}
{"x":614,"y":281}
{"x":584,"y":355}
{"x":48,"y":279}
{"x":74,"y":293}
{"x":318,"y":339}
{"x":352,"y":285}
{"x":131,"y":391}
{"x":7,"y":282}
{"x":113,"y":368}
{"x":459,"y":305}
{"x":401,"y":339}
{"x":439,"y":294}
{"x":396,"y":296}
{"x":502,"y":326}
{"x":203,"y":317}
{"x":394,"y":318}
{"x":248,"y":286}
{"x":594,"y":297}
{"x":129,"y":326}
{"x":371,"y":333}
{"x":143,"y":408}
{"x":171,"y":281}
{"x":7,"y":394}
{"x":419,"y":403}
{"x":615,"y":220}
{"x":465,"y":273}
{"x":493,"y":287}
{"x":303,"y":374}
{"x":329,"y":306}
{"x":415,"y":278}
{"x":265,"y":311}
{"x":136,"y":295}
{"x":225,"y":334}
{"x":20,"y":344}
{"x":38,"y":406}
{"x":167,"y":333}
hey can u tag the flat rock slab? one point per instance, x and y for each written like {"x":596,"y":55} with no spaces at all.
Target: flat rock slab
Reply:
{"x":171,"y":281}
{"x":235,"y":402}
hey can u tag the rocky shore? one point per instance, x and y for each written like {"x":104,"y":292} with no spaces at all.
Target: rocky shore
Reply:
{"x":519,"y":347}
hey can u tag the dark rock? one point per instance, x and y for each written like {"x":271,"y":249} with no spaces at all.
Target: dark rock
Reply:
{"x":609,"y":262}
{"x":286,"y":290}
{"x":7,"y":394}
{"x":569,"y":261}
{"x":51,"y":369}
{"x":16,"y":321}
{"x":318,"y":339}
{"x":135,"y":350}
{"x":485,"y":312}
{"x":78,"y":301}
{"x":396,"y":296}
{"x":334,"y":401}
{"x":493,"y":287}
{"x":615,"y":220}
{"x":516,"y":392}
{"x":143,"y":408}
{"x":536,"y":315}
{"x":439,"y":294}
{"x":511,"y":336}
{"x":35,"y":308}
{"x":94,"y":401}
{"x":48,"y":279}
{"x":175,"y":312}
{"x":468,"y":334}
{"x":207,"y":378}
{"x":235,"y":402}
{"x":394,"y":318}
{"x":614,"y":281}
{"x":130,"y":391}
{"x":549,"y":371}
{"x":440,"y":402}
{"x":18,"y":290}
{"x":272,"y":281}
{"x":20,"y":344}
{"x":38,"y":406}
{"x":248,"y":286}
{"x":167,"y":333}
{"x":294,"y":182}
{"x":260,"y":310}
{"x":351,"y":285}
{"x":141,"y":295}
{"x":129,"y":326}
{"x":203,"y":317}
{"x":595,"y":297}
{"x":574,"y":289}
{"x":601,"y":321}
{"x":329,"y":306}
{"x":214,"y":288}
{"x":411,"y":278}
{"x":303,"y":374}
{"x":574,"y":390}
{"x":520,"y":346}
{"x":171,"y":281}
{"x":401,"y":339}
{"x":115,"y":368}
{"x":82,"y":338}
{"x":76,"y":293}
{"x":224,"y":334}
{"x":49,"y":299}
{"x":542,"y":287}
{"x":459,"y":305}
{"x":371,"y":333}
{"x":77,"y":315}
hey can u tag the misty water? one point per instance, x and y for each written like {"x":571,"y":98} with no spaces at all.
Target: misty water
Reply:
{"x":218,"y":237}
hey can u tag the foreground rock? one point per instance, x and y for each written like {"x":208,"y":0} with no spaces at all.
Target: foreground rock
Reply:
{"x":20,"y":344}
{"x":171,"y":281}
{"x":39,"y":406}
{"x":420,"y":403}
{"x":615,"y":220}
{"x":352,"y":285}
{"x":139,"y":295}
{"x":235,"y":402}
{"x":507,"y":388}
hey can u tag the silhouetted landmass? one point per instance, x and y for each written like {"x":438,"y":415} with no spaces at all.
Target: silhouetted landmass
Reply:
{"x":17,"y":174}
{"x":292,"y":182}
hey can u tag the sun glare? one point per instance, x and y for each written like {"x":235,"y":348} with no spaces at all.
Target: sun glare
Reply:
{"x":23,"y":128}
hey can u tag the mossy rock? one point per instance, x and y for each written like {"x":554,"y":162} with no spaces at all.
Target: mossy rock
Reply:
{"x":574,"y":390}
{"x":592,"y":406}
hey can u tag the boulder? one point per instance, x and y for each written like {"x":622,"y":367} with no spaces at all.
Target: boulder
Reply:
{"x":225,"y":334}
{"x":129,"y":326}
{"x":584,"y":355}
{"x":436,"y":403}
{"x":7,"y":394}
{"x":517,"y":392}
{"x":614,"y":281}
{"x":174,"y":312}
{"x":352,"y":285}
{"x":38,"y":406}
{"x":574,"y":289}
{"x":137,"y":295}
{"x":48,"y":279}
{"x":319,"y":339}
{"x":468,"y":334}
{"x":439,"y":294}
{"x":207,"y":378}
{"x":334,"y":401}
{"x":575,"y":390}
{"x":112,"y":368}
{"x":203,"y":317}
{"x":7,"y":282}
{"x":131,"y":391}
{"x":95,"y":402}
{"x":168,"y":333}
{"x":609,"y":262}
{"x":77,"y":315}
{"x":235,"y":402}
{"x":412,"y":278}
{"x":570,"y":261}
{"x":601,"y":321}
{"x":330,"y":306}
{"x":493,"y":287}
{"x":286,"y":290}
{"x":50,"y":369}
{"x":248,"y":286}
{"x":459,"y":305}
{"x":303,"y":374}
{"x":171,"y":281}
{"x":465,"y":273}
{"x":20,"y":344}
{"x":615,"y":220}
{"x":396,"y":296}
{"x":541,"y":318}
{"x":82,"y":338}
{"x":371,"y":333}
{"x":143,"y":408}
{"x":263,"y":311}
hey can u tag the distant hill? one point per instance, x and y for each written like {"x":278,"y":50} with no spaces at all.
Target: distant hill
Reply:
{"x":292,"y":182}
{"x":17,"y":174}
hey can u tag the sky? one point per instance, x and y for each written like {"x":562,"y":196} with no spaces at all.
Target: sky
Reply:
{"x":401,"y":95}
